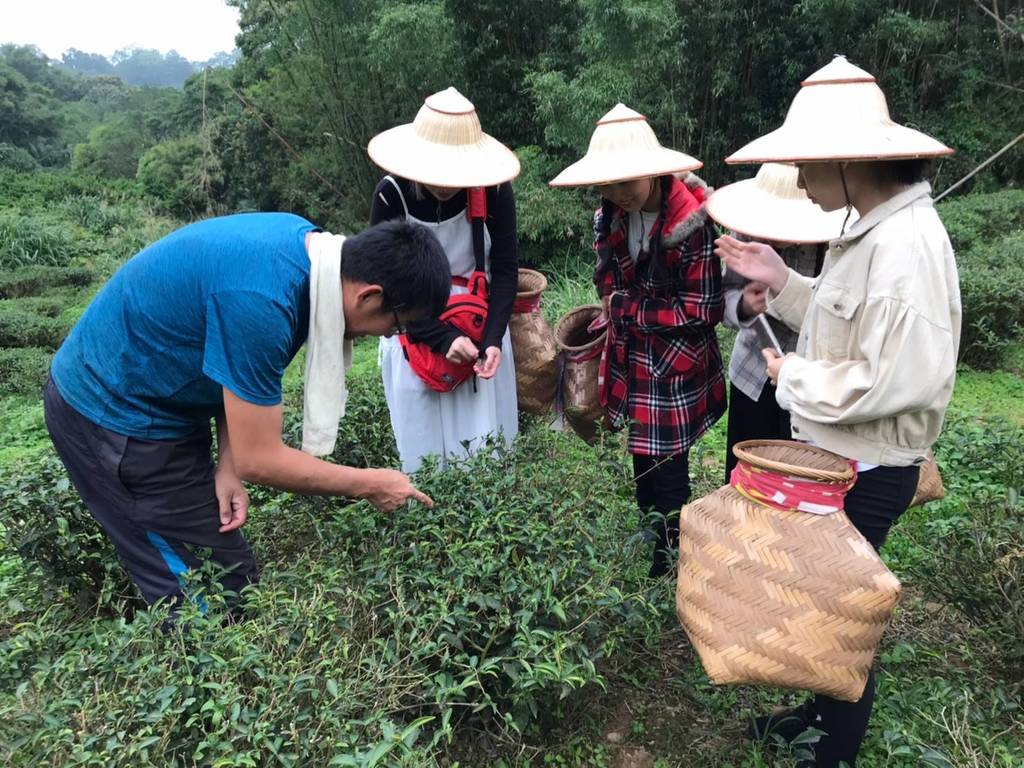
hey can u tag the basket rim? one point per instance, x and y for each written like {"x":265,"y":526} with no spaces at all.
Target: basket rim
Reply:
{"x":743,"y":451}
{"x":567,"y":318}
{"x":533,"y":292}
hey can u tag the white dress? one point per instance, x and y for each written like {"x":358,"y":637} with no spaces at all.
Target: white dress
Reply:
{"x":450,"y":425}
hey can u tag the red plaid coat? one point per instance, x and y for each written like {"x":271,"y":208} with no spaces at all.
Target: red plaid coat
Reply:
{"x":661,"y":369}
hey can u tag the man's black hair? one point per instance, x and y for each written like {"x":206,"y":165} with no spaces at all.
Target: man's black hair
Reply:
{"x":406,"y":261}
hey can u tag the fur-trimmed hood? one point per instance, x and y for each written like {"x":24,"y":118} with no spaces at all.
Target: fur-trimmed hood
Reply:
{"x":685,"y":212}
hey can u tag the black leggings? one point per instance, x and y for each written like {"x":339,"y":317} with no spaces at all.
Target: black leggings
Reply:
{"x":879,"y":497}
{"x":662,"y":488}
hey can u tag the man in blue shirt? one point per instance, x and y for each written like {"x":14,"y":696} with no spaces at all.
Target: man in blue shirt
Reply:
{"x":201,"y":325}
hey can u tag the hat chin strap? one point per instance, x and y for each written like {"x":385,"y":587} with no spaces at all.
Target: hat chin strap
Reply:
{"x":849,"y":204}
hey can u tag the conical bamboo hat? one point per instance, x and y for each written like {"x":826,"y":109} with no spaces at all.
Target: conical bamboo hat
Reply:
{"x":839,"y":113}
{"x":623,"y":147}
{"x":444,"y":146}
{"x":771,"y":206}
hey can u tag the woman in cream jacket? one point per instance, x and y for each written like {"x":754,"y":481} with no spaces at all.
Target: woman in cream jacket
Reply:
{"x":875,"y":361}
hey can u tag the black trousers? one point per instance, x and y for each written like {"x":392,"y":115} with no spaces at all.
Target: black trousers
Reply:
{"x":662,"y":488}
{"x":762,"y":419}
{"x":874,"y":503}
{"x":154,"y":499}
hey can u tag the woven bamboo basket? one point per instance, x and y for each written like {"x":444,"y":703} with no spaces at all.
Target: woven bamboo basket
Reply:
{"x":581,"y":354}
{"x":929,"y":483}
{"x":787,"y":599}
{"x":533,"y":346}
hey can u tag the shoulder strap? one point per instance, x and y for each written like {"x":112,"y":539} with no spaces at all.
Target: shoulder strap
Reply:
{"x":398,"y":189}
{"x":476,"y":210}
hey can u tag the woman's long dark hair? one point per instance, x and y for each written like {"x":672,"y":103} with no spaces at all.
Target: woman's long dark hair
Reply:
{"x":604,"y":227}
{"x":658,"y":268}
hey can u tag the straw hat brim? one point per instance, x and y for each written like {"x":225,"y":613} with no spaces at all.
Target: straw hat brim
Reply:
{"x":484,"y":164}
{"x":849,"y":141}
{"x":745,"y":208}
{"x":597,"y":169}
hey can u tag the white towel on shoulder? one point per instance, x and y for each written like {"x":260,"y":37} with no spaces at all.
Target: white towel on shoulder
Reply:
{"x":328,"y":352}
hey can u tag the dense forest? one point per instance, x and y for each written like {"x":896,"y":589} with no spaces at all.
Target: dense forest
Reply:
{"x":512,"y":625}
{"x":287,"y":126}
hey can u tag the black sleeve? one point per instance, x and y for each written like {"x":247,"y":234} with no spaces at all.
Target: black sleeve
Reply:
{"x":501,"y":223}
{"x":385,"y":203}
{"x":435,"y":334}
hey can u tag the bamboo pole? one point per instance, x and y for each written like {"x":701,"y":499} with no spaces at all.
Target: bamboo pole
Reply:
{"x":980,"y":168}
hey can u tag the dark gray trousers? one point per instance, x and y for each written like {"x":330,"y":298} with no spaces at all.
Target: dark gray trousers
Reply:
{"x":154,"y":499}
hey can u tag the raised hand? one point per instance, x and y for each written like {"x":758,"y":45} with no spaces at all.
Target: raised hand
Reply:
{"x":754,"y":261}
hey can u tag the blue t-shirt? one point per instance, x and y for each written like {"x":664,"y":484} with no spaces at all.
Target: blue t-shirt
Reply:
{"x":219,"y":303}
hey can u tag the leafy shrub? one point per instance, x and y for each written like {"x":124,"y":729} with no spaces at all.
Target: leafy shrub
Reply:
{"x":519,"y":578}
{"x":19,"y":328}
{"x":17,"y":159}
{"x":549,"y":219}
{"x":992,"y":291}
{"x":33,"y":280}
{"x":979,"y":218}
{"x":46,"y":523}
{"x":47,"y":306}
{"x":977,"y":543}
{"x":23,"y":370}
{"x":35,"y":190}
{"x":498,"y":603}
{"x":302,"y":683}
{"x":112,"y":150}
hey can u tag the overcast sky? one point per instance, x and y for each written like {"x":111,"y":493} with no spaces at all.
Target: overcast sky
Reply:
{"x":196,"y":29}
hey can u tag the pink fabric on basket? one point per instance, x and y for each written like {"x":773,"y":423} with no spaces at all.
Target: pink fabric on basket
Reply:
{"x":789,"y":493}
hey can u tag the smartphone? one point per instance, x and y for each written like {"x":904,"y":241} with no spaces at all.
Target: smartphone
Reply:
{"x":766,"y":336}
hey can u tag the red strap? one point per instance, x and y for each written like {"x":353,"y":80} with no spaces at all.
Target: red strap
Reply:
{"x":477,"y":208}
{"x":584,"y":355}
{"x":526,"y":306}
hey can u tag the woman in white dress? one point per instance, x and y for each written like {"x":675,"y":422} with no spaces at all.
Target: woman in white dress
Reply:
{"x":434,"y":163}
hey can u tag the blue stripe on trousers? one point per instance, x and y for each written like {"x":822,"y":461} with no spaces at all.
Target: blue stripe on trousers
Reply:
{"x":174,"y":563}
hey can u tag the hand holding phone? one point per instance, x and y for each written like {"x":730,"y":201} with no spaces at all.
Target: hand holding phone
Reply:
{"x":766,"y":336}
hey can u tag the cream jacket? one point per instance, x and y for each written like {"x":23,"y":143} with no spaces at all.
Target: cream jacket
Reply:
{"x":879,"y":336}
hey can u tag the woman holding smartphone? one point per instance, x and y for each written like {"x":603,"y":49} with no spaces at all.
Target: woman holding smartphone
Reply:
{"x":875,"y":362}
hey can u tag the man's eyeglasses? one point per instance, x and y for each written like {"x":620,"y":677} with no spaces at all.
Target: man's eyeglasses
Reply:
{"x":399,"y":325}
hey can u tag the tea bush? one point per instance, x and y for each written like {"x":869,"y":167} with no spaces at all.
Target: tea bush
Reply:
{"x":979,"y":531}
{"x":47,"y":306}
{"x":976,"y":219}
{"x":522,"y":581}
{"x":33,"y":280}
{"x":23,"y":370}
{"x":45,"y":522}
{"x":992,"y":292}
{"x":496,"y":605}
{"x":19,"y":328}
{"x":300,"y":683}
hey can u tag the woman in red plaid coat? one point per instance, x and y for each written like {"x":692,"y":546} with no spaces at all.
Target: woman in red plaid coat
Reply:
{"x":661,"y":286}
